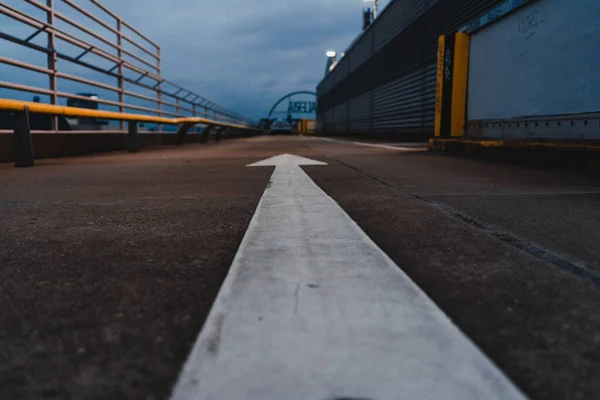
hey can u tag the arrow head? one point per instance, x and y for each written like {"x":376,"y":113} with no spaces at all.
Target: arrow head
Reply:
{"x":285,"y":159}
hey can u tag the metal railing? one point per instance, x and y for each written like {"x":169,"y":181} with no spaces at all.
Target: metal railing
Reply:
{"x":22,"y":139}
{"x":133,"y":73}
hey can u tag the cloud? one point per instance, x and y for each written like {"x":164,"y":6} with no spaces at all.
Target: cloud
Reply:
{"x":243,"y":54}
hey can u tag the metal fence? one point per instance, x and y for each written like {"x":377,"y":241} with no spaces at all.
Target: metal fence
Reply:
{"x":104,"y":53}
{"x":386,"y":82}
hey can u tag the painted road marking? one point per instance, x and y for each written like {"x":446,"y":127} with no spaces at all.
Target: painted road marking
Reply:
{"x":397,"y":147}
{"x":313,"y":309}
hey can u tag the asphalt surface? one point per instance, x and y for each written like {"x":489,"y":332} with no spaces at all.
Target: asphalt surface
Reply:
{"x":109,"y":264}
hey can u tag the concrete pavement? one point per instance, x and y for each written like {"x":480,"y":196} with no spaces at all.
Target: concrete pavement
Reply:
{"x":109,"y":264}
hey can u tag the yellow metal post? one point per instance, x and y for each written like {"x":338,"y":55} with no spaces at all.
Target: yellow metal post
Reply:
{"x":459,"y":84}
{"x":452,"y":81}
{"x":440,"y":85}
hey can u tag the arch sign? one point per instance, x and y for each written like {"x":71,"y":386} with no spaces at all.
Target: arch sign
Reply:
{"x":296,"y":106}
{"x":302,"y":107}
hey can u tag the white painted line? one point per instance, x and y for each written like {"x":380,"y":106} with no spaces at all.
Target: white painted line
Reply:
{"x":404,"y":147}
{"x":312,"y":309}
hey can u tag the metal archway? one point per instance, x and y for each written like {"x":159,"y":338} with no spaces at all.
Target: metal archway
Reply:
{"x":287,"y":96}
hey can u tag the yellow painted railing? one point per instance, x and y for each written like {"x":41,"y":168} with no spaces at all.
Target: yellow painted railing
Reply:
{"x":49,"y":109}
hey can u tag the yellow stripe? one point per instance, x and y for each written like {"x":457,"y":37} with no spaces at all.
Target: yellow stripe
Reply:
{"x":440,"y":86}
{"x":40,"y":108}
{"x":459,"y":84}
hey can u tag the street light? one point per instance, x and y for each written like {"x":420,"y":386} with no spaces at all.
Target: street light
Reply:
{"x":375,"y":7}
{"x":331,"y":60}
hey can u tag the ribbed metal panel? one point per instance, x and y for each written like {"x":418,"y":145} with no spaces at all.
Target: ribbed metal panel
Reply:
{"x":328,"y":120}
{"x":403,"y":103}
{"x":361,"y":51}
{"x":341,"y":70}
{"x":397,"y":16}
{"x":333,"y":77}
{"x":340,"y":116}
{"x":429,"y":91}
{"x":325,"y":85}
{"x":360,"y":112}
{"x":400,"y":74}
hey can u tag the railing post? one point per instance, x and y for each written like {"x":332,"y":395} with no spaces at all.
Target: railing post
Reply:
{"x":177,"y":109}
{"x":205,"y":133}
{"x":120,"y":80}
{"x":182,"y":133}
{"x":218,"y":134}
{"x":52,"y":60}
{"x":132,"y":140}
{"x":194,"y":109}
{"x":22,"y":147}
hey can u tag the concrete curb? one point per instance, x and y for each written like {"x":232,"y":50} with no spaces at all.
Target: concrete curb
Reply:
{"x":577,"y":153}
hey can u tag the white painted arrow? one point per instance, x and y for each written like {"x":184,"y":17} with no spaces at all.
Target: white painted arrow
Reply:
{"x":312,"y":309}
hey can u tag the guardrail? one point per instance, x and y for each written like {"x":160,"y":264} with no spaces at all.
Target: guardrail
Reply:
{"x":23,"y":148}
{"x":109,"y":49}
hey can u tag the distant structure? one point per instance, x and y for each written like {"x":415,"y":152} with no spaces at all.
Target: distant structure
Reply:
{"x":370,"y":14}
{"x":367,"y":18}
{"x":305,"y":109}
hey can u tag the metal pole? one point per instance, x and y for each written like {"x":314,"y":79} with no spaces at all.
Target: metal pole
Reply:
{"x":22,"y":148}
{"x":120,"y":78}
{"x":375,"y":7}
{"x":177,"y":109}
{"x":132,"y":140}
{"x":52,"y":60}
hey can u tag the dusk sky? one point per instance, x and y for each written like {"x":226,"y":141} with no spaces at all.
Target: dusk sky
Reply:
{"x":243,"y":54}
{"x":246,"y":54}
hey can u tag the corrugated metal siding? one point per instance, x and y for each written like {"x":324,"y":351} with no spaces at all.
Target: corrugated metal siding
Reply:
{"x":340,"y":116}
{"x":359,"y":113}
{"x":325,"y":85}
{"x":362,"y":50}
{"x":402,"y":104}
{"x":400,"y":75}
{"x":328,"y":120}
{"x":333,"y":77}
{"x":429,"y":89}
{"x":397,"y":17}
{"x":341,"y":70}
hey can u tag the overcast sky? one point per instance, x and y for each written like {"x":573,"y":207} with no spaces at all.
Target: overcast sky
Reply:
{"x":245,"y":54}
{"x":242,"y":54}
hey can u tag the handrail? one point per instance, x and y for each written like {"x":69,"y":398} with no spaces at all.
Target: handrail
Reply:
{"x":8,"y":105}
{"x":137,"y":78}
{"x":108,"y":27}
{"x":33,"y":89}
{"x":73,"y":40}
